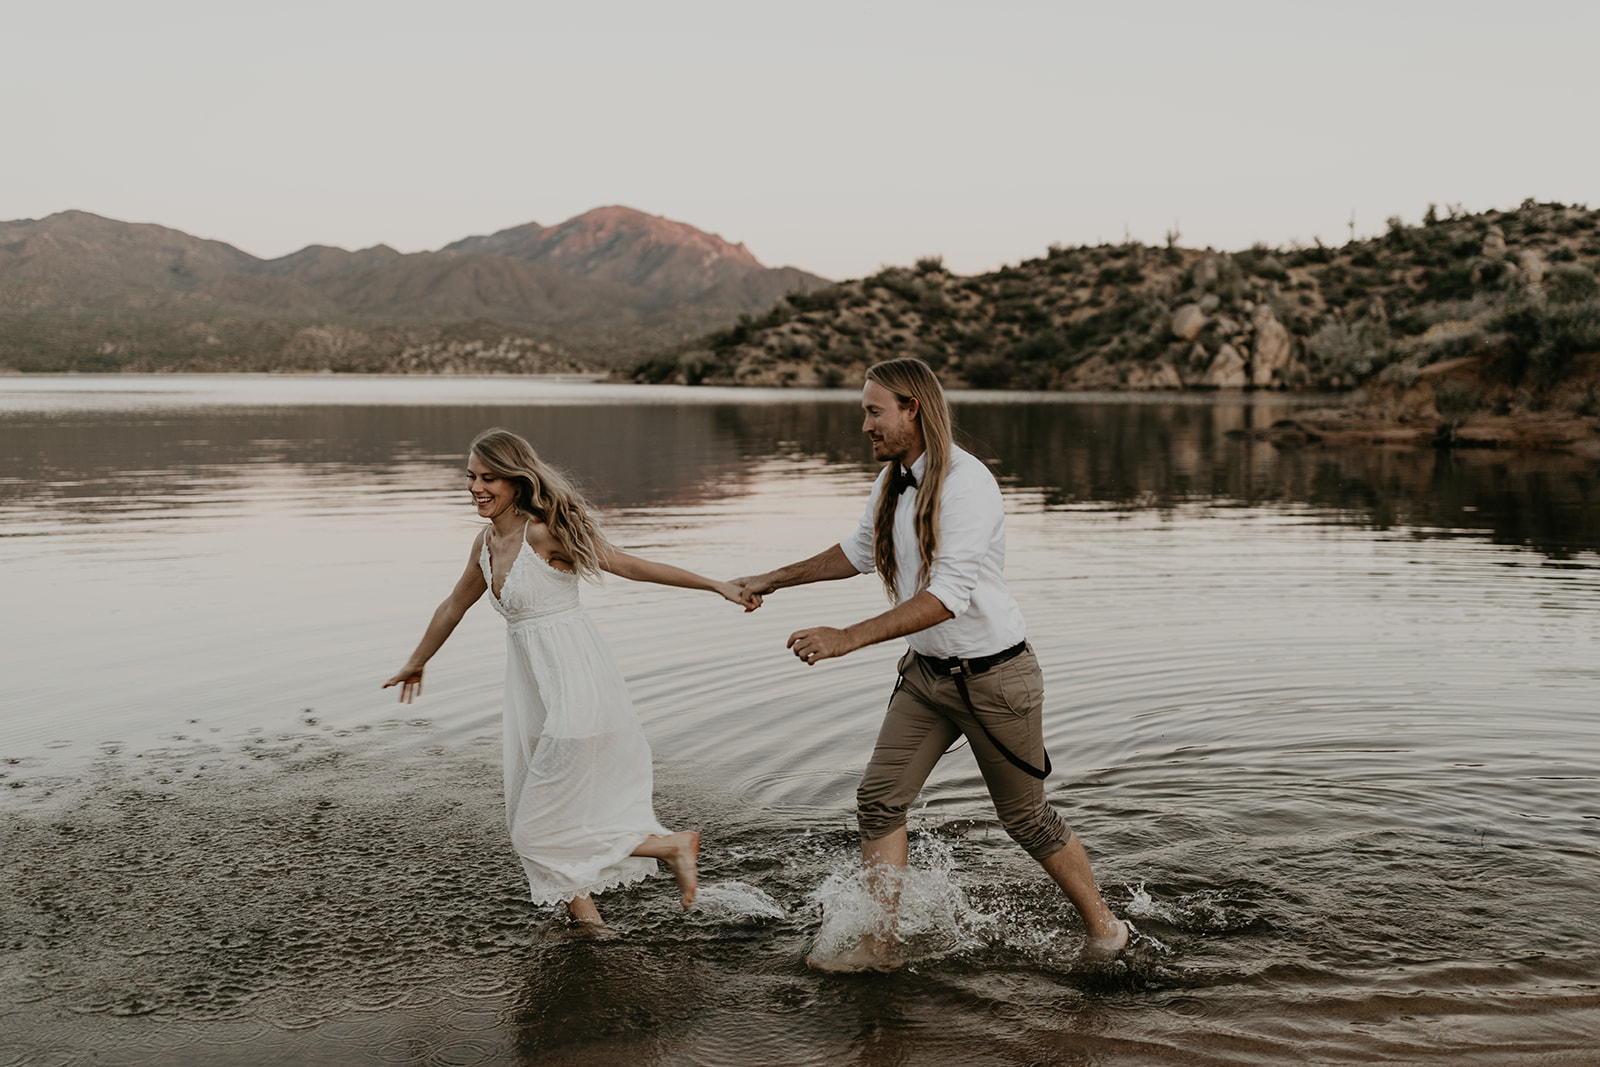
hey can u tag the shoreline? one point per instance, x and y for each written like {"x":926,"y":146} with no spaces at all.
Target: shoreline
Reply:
{"x":1382,"y":414}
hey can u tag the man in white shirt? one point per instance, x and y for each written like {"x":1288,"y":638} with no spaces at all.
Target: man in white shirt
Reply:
{"x":934,"y":531}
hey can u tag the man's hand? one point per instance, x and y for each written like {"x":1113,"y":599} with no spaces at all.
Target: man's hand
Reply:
{"x":820,"y":643}
{"x":757,"y":584}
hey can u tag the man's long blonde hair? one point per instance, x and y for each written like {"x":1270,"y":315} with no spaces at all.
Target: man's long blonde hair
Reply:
{"x":545,"y":494}
{"x":911,"y":379}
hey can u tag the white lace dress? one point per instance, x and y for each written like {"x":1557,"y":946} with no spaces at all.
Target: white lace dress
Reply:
{"x":577,"y":766}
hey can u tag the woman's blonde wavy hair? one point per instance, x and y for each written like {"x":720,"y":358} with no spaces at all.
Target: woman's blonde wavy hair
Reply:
{"x":546,"y":494}
{"x":911,"y":379}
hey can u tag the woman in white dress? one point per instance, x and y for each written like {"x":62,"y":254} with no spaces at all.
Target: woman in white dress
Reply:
{"x":577,"y":766}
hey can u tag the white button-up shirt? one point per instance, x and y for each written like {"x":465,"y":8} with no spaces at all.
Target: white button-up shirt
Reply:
{"x":968,"y":568}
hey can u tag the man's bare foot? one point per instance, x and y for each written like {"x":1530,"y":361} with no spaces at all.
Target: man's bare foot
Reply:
{"x":682,"y":854}
{"x":1106,"y":948}
{"x":869,"y":954}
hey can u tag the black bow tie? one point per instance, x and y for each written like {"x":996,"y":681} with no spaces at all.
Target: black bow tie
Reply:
{"x":901,"y":480}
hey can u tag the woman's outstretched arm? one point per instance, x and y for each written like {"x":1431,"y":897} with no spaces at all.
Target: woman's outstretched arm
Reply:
{"x":615,"y":561}
{"x":446,"y":616}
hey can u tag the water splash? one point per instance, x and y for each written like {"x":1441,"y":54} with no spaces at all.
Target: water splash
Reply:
{"x":930,"y":919}
{"x":1206,"y":910}
{"x":732,"y":902}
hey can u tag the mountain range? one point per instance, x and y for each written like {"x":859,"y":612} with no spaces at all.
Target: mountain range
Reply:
{"x":610,"y":269}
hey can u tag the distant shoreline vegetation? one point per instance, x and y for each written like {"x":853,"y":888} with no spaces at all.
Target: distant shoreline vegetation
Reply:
{"x":1435,"y":330}
{"x":1516,"y":289}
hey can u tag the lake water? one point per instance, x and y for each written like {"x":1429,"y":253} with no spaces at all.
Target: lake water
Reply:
{"x":1326,"y":722}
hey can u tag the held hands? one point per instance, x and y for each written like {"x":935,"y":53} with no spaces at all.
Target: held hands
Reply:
{"x":410,"y":682}
{"x":759,"y":584}
{"x":739,"y":594}
{"x":820,"y":643}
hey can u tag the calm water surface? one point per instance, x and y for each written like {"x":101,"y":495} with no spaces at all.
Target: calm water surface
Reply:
{"x":1325,"y":721}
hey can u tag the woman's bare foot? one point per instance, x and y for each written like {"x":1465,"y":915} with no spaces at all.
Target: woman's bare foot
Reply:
{"x":678,"y":851}
{"x":583,"y":910}
{"x":1106,"y":947}
{"x":682,"y":855}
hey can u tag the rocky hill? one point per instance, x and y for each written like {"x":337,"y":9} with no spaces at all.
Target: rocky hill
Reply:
{"x":1515,"y":290}
{"x":78,"y":291}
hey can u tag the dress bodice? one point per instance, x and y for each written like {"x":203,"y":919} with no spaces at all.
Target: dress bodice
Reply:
{"x":533,"y":587}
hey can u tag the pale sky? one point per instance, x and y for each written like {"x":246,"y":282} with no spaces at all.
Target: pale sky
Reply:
{"x":836,"y":137}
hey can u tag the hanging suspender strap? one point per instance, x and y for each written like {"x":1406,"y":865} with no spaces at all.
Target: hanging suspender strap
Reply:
{"x":1015,"y":760}
{"x":959,"y":670}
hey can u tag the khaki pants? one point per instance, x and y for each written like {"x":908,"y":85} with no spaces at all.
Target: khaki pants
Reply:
{"x":926,"y":714}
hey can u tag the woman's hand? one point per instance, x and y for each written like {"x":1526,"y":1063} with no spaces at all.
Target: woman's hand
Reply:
{"x":741,"y":595}
{"x":410,"y":682}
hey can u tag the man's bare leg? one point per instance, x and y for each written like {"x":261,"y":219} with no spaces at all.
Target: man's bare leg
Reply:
{"x":680,"y":851}
{"x":1069,"y":868}
{"x":885,"y":862}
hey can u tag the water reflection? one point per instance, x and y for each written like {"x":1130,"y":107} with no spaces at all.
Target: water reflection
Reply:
{"x":1339,"y":775}
{"x":1127,"y":455}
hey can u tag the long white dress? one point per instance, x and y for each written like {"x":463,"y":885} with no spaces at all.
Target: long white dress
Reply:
{"x":577,"y":765}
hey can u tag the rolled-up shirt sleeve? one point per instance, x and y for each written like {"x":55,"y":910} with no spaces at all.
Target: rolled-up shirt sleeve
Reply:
{"x":858,"y":546}
{"x":972,"y":515}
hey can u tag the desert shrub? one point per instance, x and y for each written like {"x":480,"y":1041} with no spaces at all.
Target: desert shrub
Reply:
{"x":655,"y":371}
{"x":901,"y":283}
{"x":1410,"y":324}
{"x":1562,"y":254}
{"x":1455,"y":401}
{"x":987,"y":372}
{"x":1147,"y":315}
{"x":741,"y":332}
{"x":1047,"y":348}
{"x":977,"y":340}
{"x":1451,"y":340}
{"x":1261,"y":261}
{"x":1570,"y":285}
{"x":1357,"y":348}
{"x":1398,"y":235}
{"x":1032,"y":317}
{"x":826,"y":299}
{"x":1150,"y":350}
{"x":1318,"y":253}
{"x":1540,"y":341}
{"x":1404,"y":375}
{"x":1495,"y":274}
{"x":930,"y":265}
{"x":1128,"y":274}
{"x":1455,"y":284}
{"x":1103,"y":326}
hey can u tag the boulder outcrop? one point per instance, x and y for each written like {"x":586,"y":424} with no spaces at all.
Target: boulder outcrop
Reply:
{"x":1270,"y":351}
{"x":1187,"y":322}
{"x":1228,"y":370}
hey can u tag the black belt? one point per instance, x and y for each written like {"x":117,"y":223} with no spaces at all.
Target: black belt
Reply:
{"x":961,"y":670}
{"x":957,"y":665}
